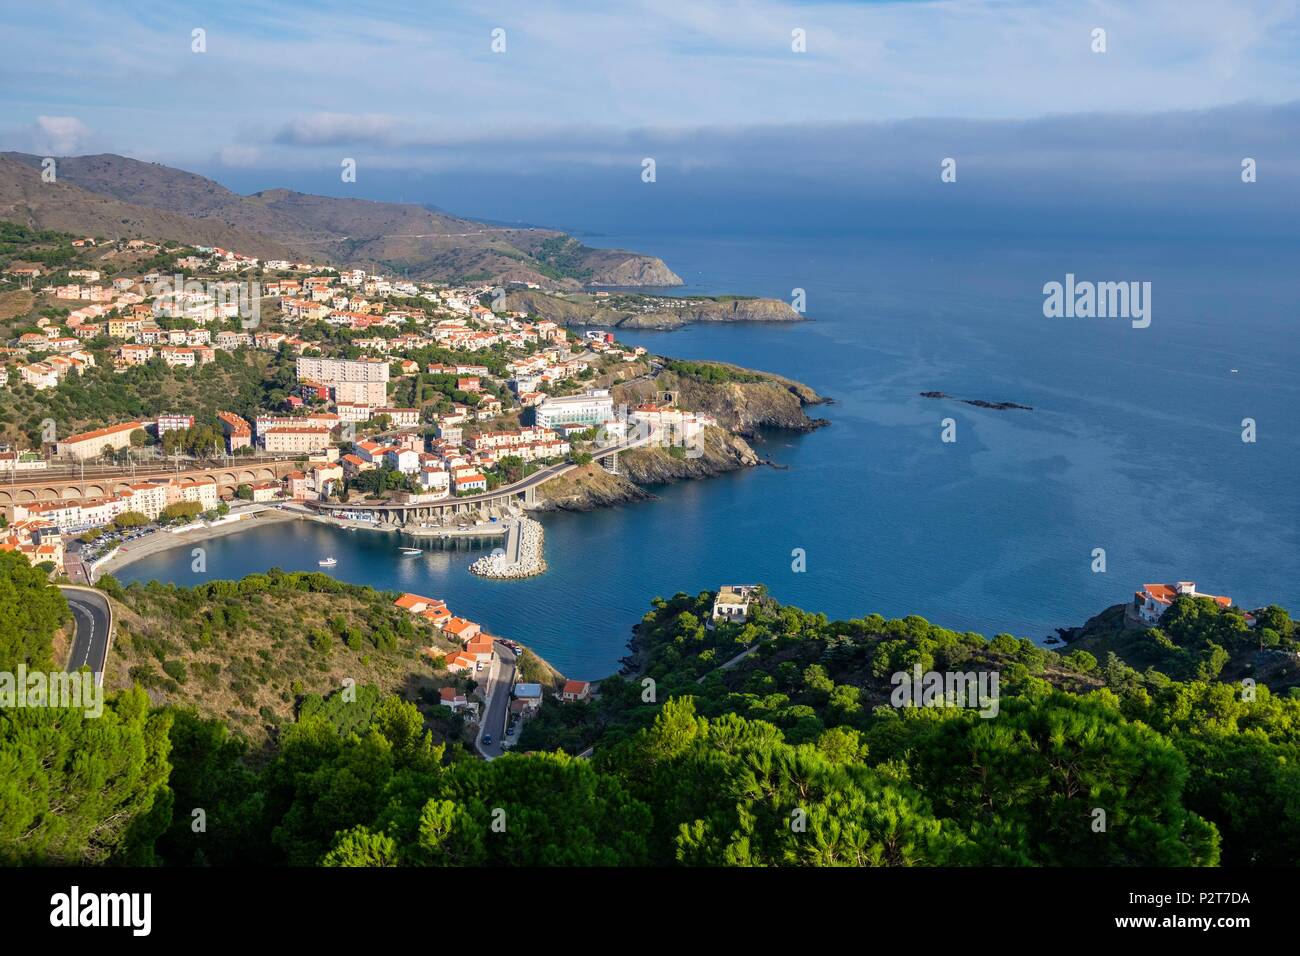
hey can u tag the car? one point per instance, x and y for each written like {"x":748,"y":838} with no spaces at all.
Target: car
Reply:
{"x":487,"y":739}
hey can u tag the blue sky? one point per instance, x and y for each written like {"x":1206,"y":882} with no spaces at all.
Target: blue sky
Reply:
{"x":712,"y":90}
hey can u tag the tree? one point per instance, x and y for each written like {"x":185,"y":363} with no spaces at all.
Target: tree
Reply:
{"x":77,"y":790}
{"x":130,"y":519}
{"x":31,"y":610}
{"x":181,"y":511}
{"x":244,"y":492}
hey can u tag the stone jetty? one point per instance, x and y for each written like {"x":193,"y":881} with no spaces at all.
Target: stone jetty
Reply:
{"x":521,"y":555}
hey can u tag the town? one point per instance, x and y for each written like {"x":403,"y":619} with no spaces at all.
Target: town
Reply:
{"x":419,"y":405}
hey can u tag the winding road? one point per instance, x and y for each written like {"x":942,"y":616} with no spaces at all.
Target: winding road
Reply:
{"x":94,"y":628}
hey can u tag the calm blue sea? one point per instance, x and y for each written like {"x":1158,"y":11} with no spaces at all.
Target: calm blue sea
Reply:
{"x":1134,"y":446}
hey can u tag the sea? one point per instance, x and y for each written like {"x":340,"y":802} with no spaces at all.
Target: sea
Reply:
{"x":1164,"y":453}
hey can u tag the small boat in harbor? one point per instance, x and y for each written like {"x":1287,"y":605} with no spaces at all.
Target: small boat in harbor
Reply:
{"x":327,"y":562}
{"x":410,"y":552}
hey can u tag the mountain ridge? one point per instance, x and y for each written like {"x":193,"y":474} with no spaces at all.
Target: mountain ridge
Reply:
{"x":108,"y":194}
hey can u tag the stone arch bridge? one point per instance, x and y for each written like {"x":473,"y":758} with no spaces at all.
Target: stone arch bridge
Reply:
{"x":66,"y":485}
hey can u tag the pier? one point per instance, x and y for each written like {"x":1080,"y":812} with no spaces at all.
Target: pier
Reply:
{"x":521,"y":555}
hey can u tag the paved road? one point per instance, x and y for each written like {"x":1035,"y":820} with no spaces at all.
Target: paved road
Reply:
{"x":494,"y":717}
{"x":93,"y":622}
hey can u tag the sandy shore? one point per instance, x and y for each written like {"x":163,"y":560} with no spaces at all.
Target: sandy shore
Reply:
{"x":165,"y":540}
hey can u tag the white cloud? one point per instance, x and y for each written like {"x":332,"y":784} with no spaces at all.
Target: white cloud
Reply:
{"x":60,"y":135}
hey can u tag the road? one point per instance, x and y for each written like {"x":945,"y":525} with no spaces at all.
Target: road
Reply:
{"x":501,"y":680}
{"x":93,"y":619}
{"x":536,"y":478}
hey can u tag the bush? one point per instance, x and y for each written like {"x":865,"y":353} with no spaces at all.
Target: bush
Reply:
{"x":175,"y":670}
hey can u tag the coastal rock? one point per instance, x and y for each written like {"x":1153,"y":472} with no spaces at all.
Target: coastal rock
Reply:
{"x":742,"y":402}
{"x":734,"y":310}
{"x":741,"y":407}
{"x":720,"y":452}
{"x":981,"y":403}
{"x":634,"y":270}
{"x":586,"y":489}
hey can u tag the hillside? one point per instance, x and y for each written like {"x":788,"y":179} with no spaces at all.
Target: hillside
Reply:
{"x":778,"y":741}
{"x":108,"y":195}
{"x":742,"y":400}
{"x":241,"y":382}
{"x":1197,"y":639}
{"x":248,"y":651}
{"x":67,"y":207}
{"x":632,"y":311}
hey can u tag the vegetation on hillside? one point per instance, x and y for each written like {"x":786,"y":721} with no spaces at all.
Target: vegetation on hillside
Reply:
{"x":792,"y":756}
{"x":251,"y":651}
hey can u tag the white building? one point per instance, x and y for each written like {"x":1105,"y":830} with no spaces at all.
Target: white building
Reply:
{"x":733,"y":602}
{"x":593,"y":408}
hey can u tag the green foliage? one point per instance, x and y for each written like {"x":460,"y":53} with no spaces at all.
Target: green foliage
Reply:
{"x":130,"y":519}
{"x":791,"y":756}
{"x":181,"y":511}
{"x":77,"y":790}
{"x":381,"y":481}
{"x":31,"y":610}
{"x":712,"y":372}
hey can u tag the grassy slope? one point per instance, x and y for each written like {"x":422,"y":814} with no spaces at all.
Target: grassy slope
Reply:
{"x":247,"y":657}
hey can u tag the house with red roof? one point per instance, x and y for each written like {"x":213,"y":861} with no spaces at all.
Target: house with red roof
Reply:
{"x":451,"y":697}
{"x":1153,"y":600}
{"x":575,"y":690}
{"x":418,"y":603}
{"x":461,"y":629}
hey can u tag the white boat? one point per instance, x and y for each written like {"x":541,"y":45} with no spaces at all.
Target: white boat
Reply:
{"x":327,"y":562}
{"x":409,"y":552}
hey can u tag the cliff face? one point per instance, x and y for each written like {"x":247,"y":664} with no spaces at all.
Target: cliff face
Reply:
{"x":721,"y":452}
{"x":591,"y":487}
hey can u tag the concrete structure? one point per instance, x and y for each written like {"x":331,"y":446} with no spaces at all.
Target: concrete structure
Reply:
{"x":363,"y":380}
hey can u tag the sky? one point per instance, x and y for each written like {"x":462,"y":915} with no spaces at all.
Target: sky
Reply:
{"x":822,"y":115}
